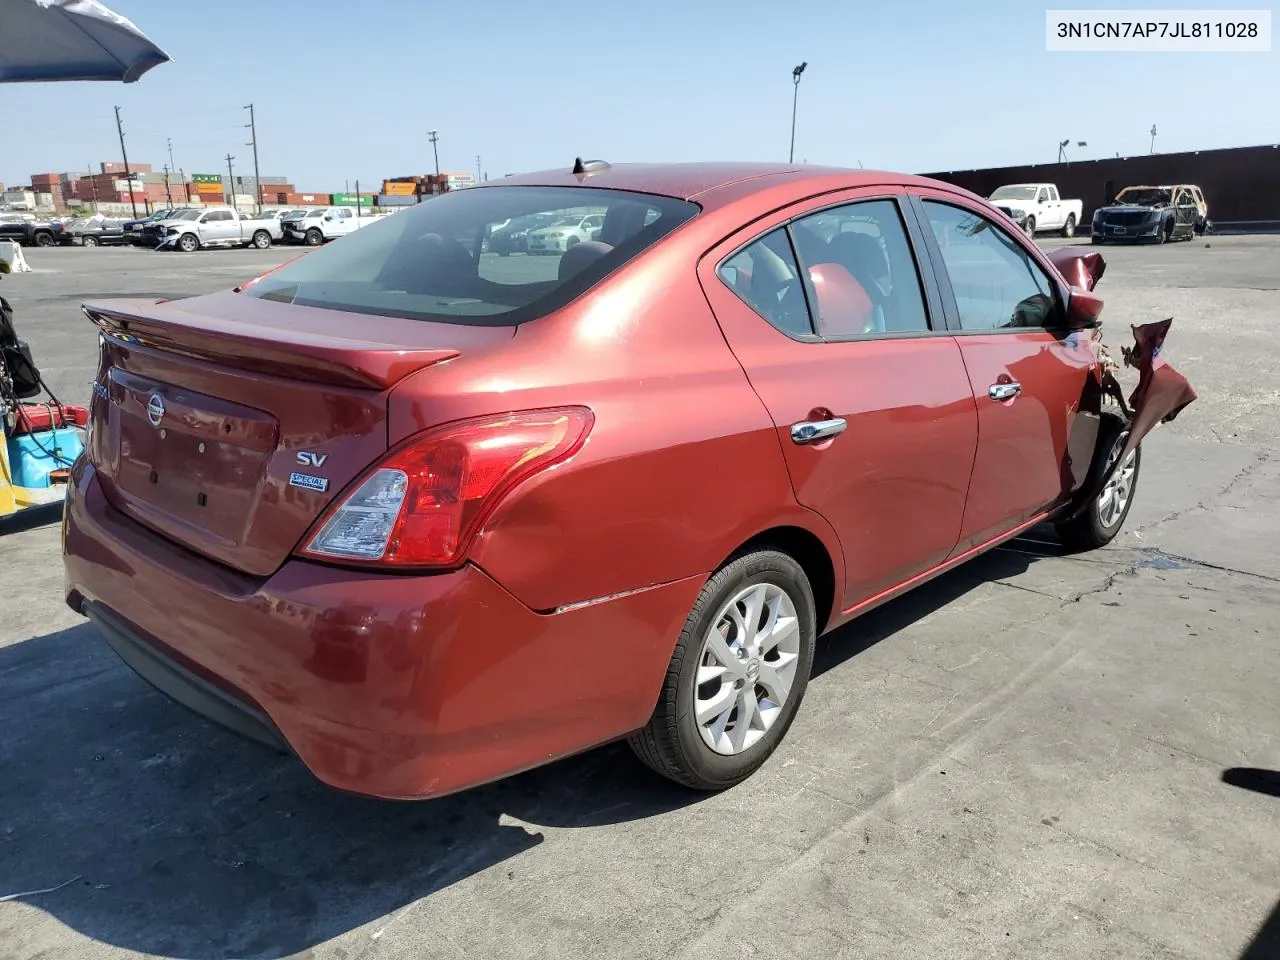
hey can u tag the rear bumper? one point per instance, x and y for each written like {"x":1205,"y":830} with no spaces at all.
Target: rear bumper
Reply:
{"x":177,"y":682}
{"x":390,"y":686}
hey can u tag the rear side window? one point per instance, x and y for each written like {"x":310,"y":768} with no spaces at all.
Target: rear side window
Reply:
{"x":490,"y":256}
{"x":863,"y":274}
{"x":765,"y":275}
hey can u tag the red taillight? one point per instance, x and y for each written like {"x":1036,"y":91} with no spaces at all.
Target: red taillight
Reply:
{"x":424,"y":502}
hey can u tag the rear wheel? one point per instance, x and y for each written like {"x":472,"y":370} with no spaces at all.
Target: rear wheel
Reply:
{"x":44,"y":239}
{"x":314,"y":237}
{"x":1098,"y":525}
{"x":1069,"y":228}
{"x":737,"y":676}
{"x":89,"y":241}
{"x":261,"y":239}
{"x":1031,"y":227}
{"x":188,"y":243}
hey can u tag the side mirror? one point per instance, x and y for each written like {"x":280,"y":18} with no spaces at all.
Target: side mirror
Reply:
{"x":1083,"y":309}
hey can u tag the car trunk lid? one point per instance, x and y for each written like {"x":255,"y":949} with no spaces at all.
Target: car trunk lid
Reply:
{"x":229,"y":423}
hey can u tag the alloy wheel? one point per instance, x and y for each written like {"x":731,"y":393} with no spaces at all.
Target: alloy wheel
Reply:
{"x":1115,"y":495}
{"x":746,"y":668}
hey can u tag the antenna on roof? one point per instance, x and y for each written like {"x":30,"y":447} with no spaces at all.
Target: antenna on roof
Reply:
{"x":581,"y":166}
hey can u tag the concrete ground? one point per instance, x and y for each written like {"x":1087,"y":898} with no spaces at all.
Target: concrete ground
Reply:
{"x":1034,"y":756}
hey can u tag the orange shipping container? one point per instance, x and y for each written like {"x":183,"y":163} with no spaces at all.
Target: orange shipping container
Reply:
{"x":396,"y":188}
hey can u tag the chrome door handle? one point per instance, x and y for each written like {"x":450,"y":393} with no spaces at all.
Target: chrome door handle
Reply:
{"x":807,"y":431}
{"x":1004,"y":391}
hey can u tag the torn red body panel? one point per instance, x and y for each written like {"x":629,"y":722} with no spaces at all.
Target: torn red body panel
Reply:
{"x":1161,"y":394}
{"x":1080,"y":266}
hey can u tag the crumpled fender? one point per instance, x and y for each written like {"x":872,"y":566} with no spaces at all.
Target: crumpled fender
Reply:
{"x":1161,"y":394}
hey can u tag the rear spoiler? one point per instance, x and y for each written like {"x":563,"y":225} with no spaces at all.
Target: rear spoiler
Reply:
{"x":314,"y":345}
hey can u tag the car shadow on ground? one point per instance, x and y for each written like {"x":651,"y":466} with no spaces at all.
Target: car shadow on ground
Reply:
{"x":189,"y":842}
{"x":1266,"y":941}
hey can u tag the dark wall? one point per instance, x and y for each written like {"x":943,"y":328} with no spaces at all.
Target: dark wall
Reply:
{"x":1239,"y":184}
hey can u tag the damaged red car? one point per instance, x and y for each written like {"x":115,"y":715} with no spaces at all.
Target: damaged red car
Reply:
{"x":427,"y":516}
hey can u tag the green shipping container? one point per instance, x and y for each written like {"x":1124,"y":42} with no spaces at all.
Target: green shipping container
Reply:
{"x":352,"y":200}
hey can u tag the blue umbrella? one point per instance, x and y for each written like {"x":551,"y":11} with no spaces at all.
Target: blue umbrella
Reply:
{"x":71,"y":40}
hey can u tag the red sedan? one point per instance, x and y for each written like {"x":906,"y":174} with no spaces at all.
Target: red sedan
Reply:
{"x":427,"y":516}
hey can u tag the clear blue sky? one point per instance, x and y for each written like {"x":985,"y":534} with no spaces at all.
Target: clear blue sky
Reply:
{"x":348,"y":90}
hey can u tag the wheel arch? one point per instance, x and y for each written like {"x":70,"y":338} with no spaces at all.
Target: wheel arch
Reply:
{"x":810,"y":551}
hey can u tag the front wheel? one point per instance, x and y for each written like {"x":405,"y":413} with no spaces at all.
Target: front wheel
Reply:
{"x":1098,"y":525}
{"x":737,"y":676}
{"x":314,"y":237}
{"x":1069,"y":228}
{"x":188,"y":243}
{"x":261,"y":239}
{"x":89,"y":241}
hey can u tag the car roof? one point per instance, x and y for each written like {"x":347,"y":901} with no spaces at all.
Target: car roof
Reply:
{"x":700,"y":181}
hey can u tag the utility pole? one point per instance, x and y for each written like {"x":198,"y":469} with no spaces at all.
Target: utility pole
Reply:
{"x":168,"y":193}
{"x":133,"y":204}
{"x":93,"y":185}
{"x":1153,"y":138}
{"x":477,"y":168}
{"x":358,"y":198}
{"x":253,"y":142}
{"x":231,"y":183}
{"x":434,"y":137}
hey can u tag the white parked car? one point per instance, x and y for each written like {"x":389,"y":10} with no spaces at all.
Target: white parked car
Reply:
{"x":565,"y":232}
{"x":1037,"y":207}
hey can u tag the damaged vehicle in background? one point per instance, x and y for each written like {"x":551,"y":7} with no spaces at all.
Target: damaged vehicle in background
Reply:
{"x":1153,"y":214}
{"x":428,"y":517}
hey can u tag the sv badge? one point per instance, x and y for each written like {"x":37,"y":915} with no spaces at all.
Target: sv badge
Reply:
{"x":308,"y":459}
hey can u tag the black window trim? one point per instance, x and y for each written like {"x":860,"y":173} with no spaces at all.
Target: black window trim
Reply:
{"x":932,"y":300}
{"x":943,"y":278}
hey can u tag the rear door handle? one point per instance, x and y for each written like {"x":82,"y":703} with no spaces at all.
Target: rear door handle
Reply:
{"x":807,"y":431}
{"x":1004,"y":391}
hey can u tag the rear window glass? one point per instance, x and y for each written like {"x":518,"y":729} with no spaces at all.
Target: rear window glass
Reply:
{"x":436,"y":261}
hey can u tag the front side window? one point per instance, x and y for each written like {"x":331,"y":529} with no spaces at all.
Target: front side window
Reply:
{"x":861,"y":270}
{"x":996,"y":283}
{"x":427,"y":262}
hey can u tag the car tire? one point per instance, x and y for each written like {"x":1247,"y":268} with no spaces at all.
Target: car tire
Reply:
{"x":675,"y":743}
{"x":1069,"y":228}
{"x":314,"y":238}
{"x":188,"y":243}
{"x":44,"y":239}
{"x":1098,"y":525}
{"x":89,"y":241}
{"x":1030,"y":227}
{"x":570,"y":243}
{"x":261,"y":239}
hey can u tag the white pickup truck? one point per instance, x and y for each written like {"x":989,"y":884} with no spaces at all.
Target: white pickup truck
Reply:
{"x":194,"y":228}
{"x":1036,"y":207}
{"x":326,"y":223}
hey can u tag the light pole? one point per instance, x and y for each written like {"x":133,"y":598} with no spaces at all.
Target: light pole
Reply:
{"x":434,"y":137}
{"x":795,"y":97}
{"x":1153,"y":138}
{"x":1062,"y":148}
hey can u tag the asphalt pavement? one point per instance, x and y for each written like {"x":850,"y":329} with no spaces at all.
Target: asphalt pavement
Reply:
{"x":1034,"y":756}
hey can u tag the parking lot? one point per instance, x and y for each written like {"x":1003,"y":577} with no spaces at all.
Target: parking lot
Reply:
{"x":1033,"y":756}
